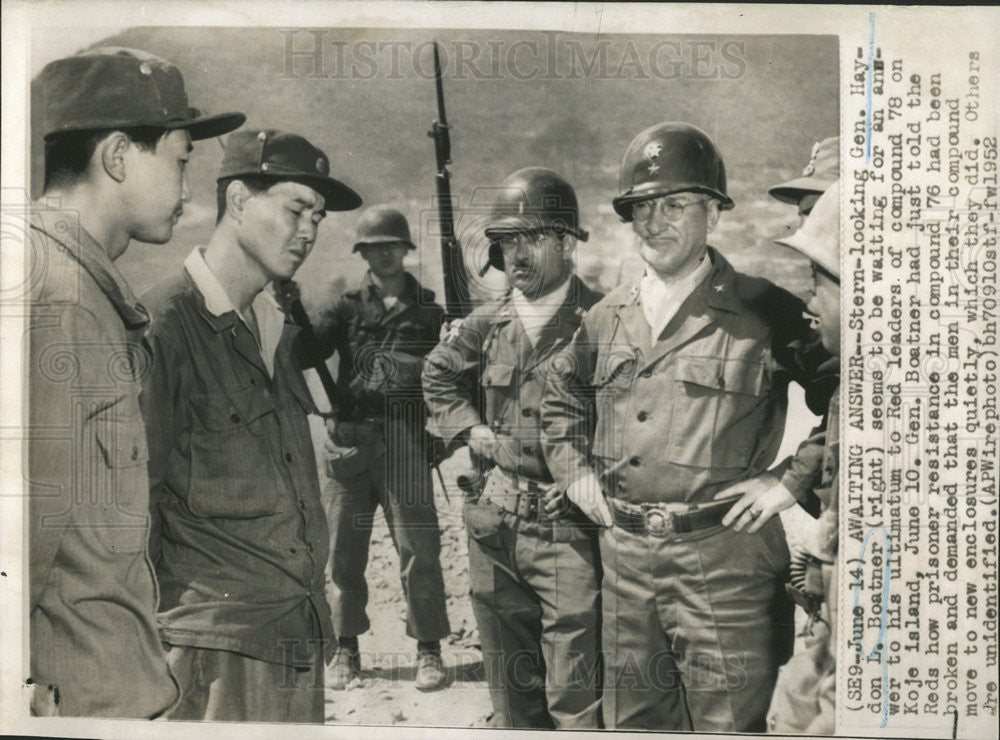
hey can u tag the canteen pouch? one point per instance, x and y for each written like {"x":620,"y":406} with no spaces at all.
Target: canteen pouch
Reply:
{"x":484,"y":522}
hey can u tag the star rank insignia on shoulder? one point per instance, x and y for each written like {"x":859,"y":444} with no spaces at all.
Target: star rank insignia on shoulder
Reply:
{"x":719,"y":288}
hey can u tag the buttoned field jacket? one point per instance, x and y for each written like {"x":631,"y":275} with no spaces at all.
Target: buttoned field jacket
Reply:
{"x":239,"y":536}
{"x":703,"y":407}
{"x":381,"y":350}
{"x":487,"y":372}
{"x":92,"y":590}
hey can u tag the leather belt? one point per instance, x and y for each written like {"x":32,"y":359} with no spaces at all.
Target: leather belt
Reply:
{"x":667,"y":520}
{"x":519,"y":495}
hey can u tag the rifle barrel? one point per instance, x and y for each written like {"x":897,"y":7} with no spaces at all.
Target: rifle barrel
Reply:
{"x":456,"y":281}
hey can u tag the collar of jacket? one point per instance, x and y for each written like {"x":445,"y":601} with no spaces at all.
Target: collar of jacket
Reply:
{"x":412,"y":289}
{"x":65,"y":229}
{"x":718,"y":290}
{"x":503,"y":310}
{"x":223,"y":321}
{"x":579,"y":298}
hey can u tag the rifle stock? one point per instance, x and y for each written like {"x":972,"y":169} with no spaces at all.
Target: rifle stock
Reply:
{"x":287,"y":293}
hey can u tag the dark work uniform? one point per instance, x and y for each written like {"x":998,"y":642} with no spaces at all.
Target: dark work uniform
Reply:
{"x":238,"y":537}
{"x":381,"y":351}
{"x":535,"y":580}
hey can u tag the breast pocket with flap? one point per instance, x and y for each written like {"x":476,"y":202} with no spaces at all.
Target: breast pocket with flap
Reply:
{"x":233,"y":472}
{"x":614,"y":377}
{"x":717,"y":411}
{"x":123,"y":459}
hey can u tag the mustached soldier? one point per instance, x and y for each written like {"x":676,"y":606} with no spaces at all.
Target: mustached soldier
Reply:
{"x":689,"y":369}
{"x":532,"y":558}
{"x":378,"y":452}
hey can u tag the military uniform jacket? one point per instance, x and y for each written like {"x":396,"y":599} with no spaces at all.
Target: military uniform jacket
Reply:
{"x":93,"y":594}
{"x":701,"y":408}
{"x":239,"y":537}
{"x":487,"y":372}
{"x":381,"y":350}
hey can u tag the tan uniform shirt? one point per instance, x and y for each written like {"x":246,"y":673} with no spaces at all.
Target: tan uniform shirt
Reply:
{"x":679,"y":419}
{"x":93,"y":595}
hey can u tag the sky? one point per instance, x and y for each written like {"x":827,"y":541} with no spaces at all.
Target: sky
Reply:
{"x":764,"y":101}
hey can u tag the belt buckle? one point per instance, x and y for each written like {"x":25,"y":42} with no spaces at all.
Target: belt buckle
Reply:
{"x":658,"y":523}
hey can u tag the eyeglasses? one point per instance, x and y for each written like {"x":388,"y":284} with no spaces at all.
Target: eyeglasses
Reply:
{"x":671,"y":210}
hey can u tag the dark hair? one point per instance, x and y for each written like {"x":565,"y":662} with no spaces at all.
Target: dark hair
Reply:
{"x":254,"y":183}
{"x":68,"y":154}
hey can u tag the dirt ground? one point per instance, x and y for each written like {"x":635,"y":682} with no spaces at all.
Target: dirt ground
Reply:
{"x":386,"y":694}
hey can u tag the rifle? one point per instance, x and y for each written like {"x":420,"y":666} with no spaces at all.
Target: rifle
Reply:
{"x":287,"y":293}
{"x":456,"y":279}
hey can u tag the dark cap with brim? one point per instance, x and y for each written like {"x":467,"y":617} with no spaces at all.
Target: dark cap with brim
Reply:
{"x":819,"y":174}
{"x":114,"y":88}
{"x":280,"y":156}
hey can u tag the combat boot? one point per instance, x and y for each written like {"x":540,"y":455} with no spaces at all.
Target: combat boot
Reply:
{"x":431,"y":675}
{"x":346,"y":664}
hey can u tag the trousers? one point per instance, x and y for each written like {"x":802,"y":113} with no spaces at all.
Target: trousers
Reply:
{"x":537,"y":606}
{"x":805,"y":695}
{"x":695,"y":627}
{"x":395,"y":476}
{"x":221,"y":686}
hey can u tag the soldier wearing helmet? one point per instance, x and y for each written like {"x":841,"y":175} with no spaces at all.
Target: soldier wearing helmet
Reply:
{"x":533,"y":560}
{"x":378,"y":453}
{"x":688,"y":368}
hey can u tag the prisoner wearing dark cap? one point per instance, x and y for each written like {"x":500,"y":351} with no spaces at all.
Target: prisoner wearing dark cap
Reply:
{"x":118,"y":130}
{"x":379,"y":450}
{"x":239,"y":538}
{"x":688,"y":370}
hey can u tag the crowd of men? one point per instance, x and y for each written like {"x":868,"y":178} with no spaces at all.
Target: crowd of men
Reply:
{"x":627,"y":565}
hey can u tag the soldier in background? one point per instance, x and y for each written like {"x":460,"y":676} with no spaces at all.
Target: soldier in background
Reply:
{"x":689,"y":369}
{"x":533,"y":562}
{"x":379,"y":451}
{"x":118,"y":132}
{"x":804,"y":698}
{"x":822,"y":171}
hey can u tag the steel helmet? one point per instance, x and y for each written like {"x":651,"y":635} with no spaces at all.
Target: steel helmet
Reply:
{"x":819,"y":237}
{"x":533,"y":199}
{"x":382,"y":226}
{"x":670,"y":158}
